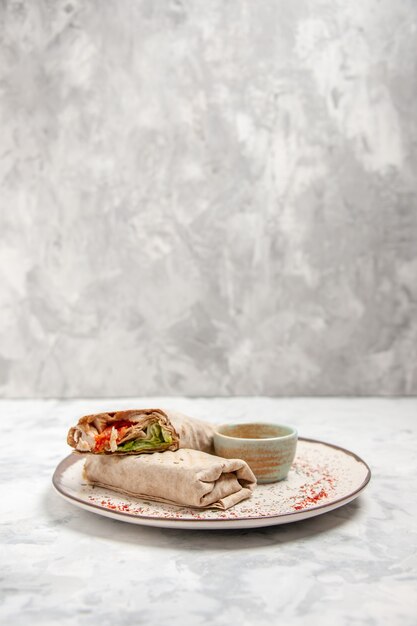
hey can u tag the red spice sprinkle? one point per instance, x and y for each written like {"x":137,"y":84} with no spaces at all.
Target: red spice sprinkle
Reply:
{"x":313,"y":499}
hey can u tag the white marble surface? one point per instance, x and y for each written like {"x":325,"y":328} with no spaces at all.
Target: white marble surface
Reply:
{"x":357,"y":565}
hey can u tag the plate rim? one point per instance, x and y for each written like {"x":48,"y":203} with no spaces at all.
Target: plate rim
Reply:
{"x":290,"y":516}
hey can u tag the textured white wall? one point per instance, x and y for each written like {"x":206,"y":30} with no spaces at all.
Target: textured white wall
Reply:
{"x":213,"y":197}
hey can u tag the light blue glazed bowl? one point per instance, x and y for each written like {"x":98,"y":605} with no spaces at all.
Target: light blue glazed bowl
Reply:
{"x":268,"y":449}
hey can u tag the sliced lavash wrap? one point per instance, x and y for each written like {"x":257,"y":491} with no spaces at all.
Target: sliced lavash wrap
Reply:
{"x":139,"y":431}
{"x":182,"y":478}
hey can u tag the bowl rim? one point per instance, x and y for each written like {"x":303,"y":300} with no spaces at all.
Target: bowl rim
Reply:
{"x":292,"y":435}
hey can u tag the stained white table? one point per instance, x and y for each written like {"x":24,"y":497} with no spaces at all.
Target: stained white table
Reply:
{"x":355,"y":565}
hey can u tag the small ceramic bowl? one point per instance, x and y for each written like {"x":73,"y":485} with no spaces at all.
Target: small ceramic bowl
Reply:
{"x":268,"y":449}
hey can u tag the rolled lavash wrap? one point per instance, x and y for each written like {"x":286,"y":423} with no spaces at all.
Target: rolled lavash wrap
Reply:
{"x":183,"y":478}
{"x":139,"y":431}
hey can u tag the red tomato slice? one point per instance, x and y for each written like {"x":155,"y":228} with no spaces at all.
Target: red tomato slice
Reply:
{"x":103,"y":439}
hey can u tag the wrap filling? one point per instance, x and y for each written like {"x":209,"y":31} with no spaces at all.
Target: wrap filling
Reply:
{"x":124,"y":432}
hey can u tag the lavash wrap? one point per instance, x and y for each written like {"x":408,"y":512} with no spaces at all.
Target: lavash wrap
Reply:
{"x":185,"y":432}
{"x":182,"y":478}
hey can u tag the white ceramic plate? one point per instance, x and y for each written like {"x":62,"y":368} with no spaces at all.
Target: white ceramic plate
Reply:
{"x":323,"y":477}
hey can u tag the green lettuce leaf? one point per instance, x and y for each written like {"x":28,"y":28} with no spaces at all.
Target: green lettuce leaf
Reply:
{"x":157,"y":437}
